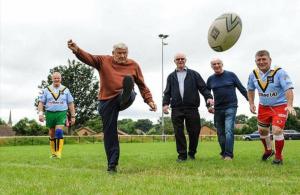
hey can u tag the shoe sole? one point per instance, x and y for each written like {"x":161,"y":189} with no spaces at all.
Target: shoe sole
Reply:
{"x":272,"y":154}
{"x":127,"y":88}
{"x":277,"y":162}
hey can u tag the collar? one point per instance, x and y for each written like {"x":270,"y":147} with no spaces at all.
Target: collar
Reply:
{"x":184,"y":69}
{"x":272,"y":68}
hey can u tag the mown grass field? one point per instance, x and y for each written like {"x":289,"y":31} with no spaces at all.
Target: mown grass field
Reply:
{"x":148,"y":168}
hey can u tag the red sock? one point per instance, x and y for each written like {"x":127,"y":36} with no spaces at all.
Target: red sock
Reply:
{"x":278,"y":149}
{"x":263,"y":140}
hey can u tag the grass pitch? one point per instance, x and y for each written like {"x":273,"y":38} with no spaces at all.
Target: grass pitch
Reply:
{"x":148,"y":168}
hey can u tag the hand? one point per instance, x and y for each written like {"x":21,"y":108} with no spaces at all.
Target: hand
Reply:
{"x":72,"y":120}
{"x":152,"y":106}
{"x":253,"y":108}
{"x":211,"y":109}
{"x":210,"y":102}
{"x":41,"y":118}
{"x":166,"y":109}
{"x":72,"y":46}
{"x":291,"y":110}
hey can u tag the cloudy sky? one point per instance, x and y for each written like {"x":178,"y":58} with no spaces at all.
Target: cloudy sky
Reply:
{"x":34,"y":33}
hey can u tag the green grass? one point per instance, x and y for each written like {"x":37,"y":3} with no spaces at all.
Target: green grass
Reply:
{"x":148,"y":168}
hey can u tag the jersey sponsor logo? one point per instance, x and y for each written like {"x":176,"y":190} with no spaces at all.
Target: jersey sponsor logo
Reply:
{"x":272,"y":94}
{"x":282,"y":115}
{"x":55,"y":103}
{"x":270,"y":78}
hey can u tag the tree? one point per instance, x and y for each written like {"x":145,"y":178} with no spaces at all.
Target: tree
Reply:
{"x":126,"y":125}
{"x":241,"y":119}
{"x":2,"y":122}
{"x":252,"y":125}
{"x":143,"y":124}
{"x":29,"y":127}
{"x":204,"y":122}
{"x":293,"y":122}
{"x":82,"y":83}
{"x":95,"y":124}
{"x":168,"y":126}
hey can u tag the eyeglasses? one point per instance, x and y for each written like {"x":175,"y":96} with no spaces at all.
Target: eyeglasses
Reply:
{"x":178,"y":59}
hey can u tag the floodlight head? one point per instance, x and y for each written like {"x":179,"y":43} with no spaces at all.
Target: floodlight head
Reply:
{"x":162,"y":36}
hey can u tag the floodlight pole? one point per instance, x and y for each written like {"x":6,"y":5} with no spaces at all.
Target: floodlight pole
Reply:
{"x":162,"y":37}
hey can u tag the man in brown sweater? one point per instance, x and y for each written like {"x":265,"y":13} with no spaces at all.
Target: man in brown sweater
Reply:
{"x":117,"y":77}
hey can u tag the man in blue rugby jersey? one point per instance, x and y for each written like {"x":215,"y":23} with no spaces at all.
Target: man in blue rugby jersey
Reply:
{"x":275,"y":91}
{"x":56,"y":99}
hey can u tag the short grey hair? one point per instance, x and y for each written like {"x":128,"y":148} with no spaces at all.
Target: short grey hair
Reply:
{"x":120,"y":46}
{"x":262,"y":53}
{"x":179,"y":54}
{"x":56,"y":73}
{"x":216,"y":59}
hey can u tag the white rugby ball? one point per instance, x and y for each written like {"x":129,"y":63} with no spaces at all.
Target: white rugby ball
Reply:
{"x":224,"y":32}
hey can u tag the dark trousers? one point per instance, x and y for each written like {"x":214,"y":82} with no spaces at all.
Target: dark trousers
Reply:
{"x":109,"y":111}
{"x":191,"y":118}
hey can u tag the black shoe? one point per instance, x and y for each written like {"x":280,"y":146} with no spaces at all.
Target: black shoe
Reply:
{"x":112,"y":170}
{"x":180,"y":160}
{"x":266,"y":156}
{"x":192,"y":157}
{"x":127,"y":89}
{"x":277,"y":162}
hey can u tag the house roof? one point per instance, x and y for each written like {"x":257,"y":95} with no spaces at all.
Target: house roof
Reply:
{"x":6,"y":131}
{"x":85,"y":128}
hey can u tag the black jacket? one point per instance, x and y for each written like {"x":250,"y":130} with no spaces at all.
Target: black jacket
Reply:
{"x":193,"y":84}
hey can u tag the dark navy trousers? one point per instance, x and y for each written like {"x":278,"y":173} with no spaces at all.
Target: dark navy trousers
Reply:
{"x":191,"y":118}
{"x":109,"y":111}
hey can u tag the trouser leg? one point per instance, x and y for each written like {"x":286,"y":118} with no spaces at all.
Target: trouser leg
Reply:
{"x":219,"y":120}
{"x":178,"y":125}
{"x":109,"y":111}
{"x":230,"y":114}
{"x":193,"y":126}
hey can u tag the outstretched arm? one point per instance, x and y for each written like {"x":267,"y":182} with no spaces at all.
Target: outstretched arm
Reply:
{"x":73,"y":46}
{"x":87,"y":58}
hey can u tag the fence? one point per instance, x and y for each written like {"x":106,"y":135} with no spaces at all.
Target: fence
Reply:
{"x":44,"y":140}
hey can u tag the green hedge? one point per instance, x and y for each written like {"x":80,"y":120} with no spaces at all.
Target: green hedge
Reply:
{"x":44,"y":140}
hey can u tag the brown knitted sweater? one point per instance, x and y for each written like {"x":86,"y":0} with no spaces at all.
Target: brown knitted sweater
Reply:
{"x":111,"y":74}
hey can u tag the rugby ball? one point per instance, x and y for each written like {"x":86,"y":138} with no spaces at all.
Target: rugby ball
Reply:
{"x":224,"y":32}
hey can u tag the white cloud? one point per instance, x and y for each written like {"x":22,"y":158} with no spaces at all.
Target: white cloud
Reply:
{"x":33,"y":36}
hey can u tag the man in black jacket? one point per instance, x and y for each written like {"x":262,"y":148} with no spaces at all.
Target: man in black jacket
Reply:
{"x":182,"y":92}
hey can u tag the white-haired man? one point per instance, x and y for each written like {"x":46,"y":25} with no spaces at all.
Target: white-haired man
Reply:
{"x":182,"y":93}
{"x":117,"y":76}
{"x":223,"y":84}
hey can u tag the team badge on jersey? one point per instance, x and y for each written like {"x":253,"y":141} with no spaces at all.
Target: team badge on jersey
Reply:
{"x":270,"y":79}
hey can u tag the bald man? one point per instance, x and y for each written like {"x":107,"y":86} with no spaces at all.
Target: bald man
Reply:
{"x":223,"y":84}
{"x":56,"y":99}
{"x":182,"y":93}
